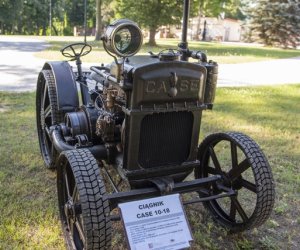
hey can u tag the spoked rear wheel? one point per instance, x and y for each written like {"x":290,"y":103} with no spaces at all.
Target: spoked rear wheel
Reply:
{"x":83,"y":210}
{"x":47,"y":114}
{"x":244,"y":168}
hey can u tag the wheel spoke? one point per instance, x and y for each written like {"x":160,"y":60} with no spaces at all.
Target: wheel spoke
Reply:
{"x":47,"y":111}
{"x":234,"y":159}
{"x":75,"y":192}
{"x":248,"y":185}
{"x":232,"y":213}
{"x":71,"y":224}
{"x":45,"y":94}
{"x":80,"y":231}
{"x":47,"y":132}
{"x":67,"y":183}
{"x":215,"y":159}
{"x":237,"y":171}
{"x":211,"y":170}
{"x":239,"y":208}
{"x":73,"y":51}
{"x":47,"y":143}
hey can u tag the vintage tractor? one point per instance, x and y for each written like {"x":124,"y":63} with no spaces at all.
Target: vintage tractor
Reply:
{"x":130,"y":130}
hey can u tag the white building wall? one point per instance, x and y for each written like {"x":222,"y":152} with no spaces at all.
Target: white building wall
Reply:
{"x":216,"y":29}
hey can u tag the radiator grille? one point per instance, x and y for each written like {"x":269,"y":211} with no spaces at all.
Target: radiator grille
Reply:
{"x":165,"y":139}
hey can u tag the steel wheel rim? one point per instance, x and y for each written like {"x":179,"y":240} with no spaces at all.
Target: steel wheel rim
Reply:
{"x":232,"y":179}
{"x":46,"y":122}
{"x":70,"y":203}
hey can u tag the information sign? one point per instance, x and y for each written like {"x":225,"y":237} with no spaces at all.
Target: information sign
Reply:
{"x":156,"y":224}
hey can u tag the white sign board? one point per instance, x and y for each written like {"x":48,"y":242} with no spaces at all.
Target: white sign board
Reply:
{"x":156,"y":224}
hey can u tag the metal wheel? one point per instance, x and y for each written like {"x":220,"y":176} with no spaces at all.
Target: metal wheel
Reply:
{"x":47,"y":114}
{"x":84,"y":212}
{"x":244,"y":168}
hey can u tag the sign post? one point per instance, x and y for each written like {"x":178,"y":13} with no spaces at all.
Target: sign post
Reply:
{"x":157,"y":223}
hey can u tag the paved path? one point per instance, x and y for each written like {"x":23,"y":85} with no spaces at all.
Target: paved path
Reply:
{"x":19,"y":68}
{"x":281,"y":71}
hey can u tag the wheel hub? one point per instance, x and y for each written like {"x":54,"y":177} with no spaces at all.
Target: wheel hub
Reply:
{"x":226,"y":180}
{"x":70,"y":210}
{"x":237,"y":183}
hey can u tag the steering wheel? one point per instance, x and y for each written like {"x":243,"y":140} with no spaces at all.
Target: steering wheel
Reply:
{"x":76,"y":50}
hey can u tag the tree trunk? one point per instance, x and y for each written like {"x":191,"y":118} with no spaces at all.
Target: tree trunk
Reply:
{"x":200,"y":12}
{"x":98,"y":20}
{"x":152,"y":37}
{"x":198,"y":31}
{"x":44,"y":29}
{"x":55,"y":30}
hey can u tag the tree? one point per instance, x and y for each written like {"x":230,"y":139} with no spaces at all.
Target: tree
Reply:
{"x":10,"y":14}
{"x":235,"y":9}
{"x":98,"y":20}
{"x":151,"y":13}
{"x":104,"y":11}
{"x":28,"y":16}
{"x":214,"y":8}
{"x":75,"y":11}
{"x":74,"y":14}
{"x":276,"y":22}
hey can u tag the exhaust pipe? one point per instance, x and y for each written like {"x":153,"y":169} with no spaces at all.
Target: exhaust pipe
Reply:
{"x":98,"y":151}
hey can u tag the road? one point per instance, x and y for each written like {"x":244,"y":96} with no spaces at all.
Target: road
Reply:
{"x":281,"y":71}
{"x":19,"y":68}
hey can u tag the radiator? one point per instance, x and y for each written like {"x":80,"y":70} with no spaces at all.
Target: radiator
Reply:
{"x":165,"y":139}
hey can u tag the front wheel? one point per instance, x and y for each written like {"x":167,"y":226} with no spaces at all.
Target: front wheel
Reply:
{"x":83,"y":209}
{"x":243,"y":168}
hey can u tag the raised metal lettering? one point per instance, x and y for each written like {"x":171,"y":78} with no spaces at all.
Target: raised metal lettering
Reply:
{"x":194,"y":85}
{"x":150,"y":87}
{"x":162,"y":88}
{"x":184,"y":86}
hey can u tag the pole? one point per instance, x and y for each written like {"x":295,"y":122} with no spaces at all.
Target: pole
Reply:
{"x":184,"y":44}
{"x":85,"y":14}
{"x":185,"y":23}
{"x":50,"y":16}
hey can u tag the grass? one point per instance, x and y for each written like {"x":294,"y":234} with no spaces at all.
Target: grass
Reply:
{"x":28,"y":200}
{"x":28,"y":209}
{"x":270,"y":115}
{"x":222,"y":53}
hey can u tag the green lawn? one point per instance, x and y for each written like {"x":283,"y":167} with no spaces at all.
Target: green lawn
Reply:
{"x":216,"y":51}
{"x":28,"y":200}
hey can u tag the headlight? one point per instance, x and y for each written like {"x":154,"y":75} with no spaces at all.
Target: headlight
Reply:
{"x":123,"y":38}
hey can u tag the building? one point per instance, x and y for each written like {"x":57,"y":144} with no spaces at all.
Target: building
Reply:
{"x":206,"y":28}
